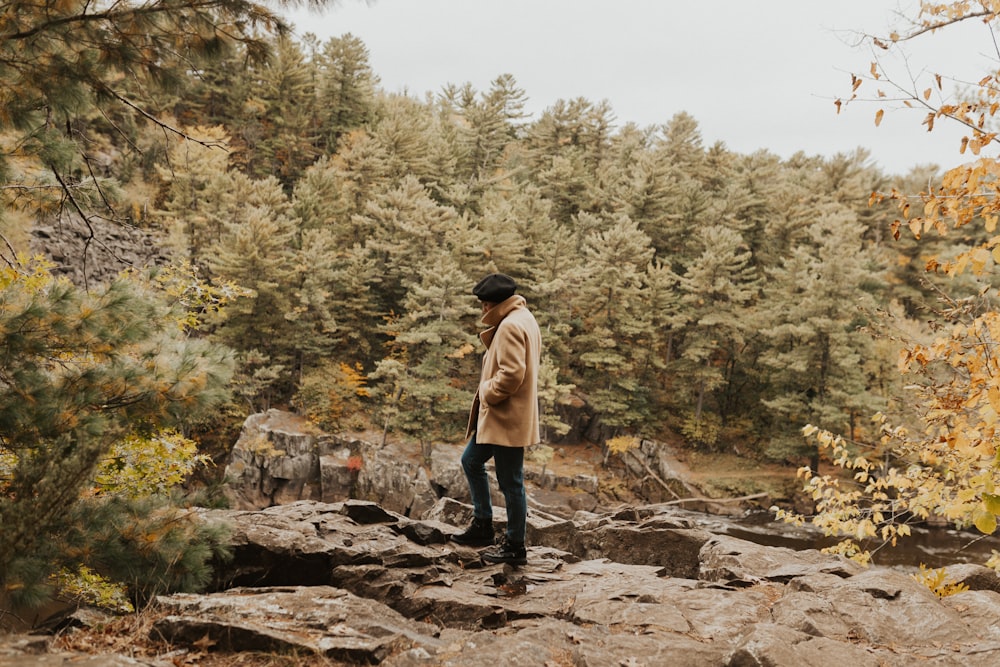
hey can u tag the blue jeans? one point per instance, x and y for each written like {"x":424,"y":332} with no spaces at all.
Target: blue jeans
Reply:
{"x":509,"y":465}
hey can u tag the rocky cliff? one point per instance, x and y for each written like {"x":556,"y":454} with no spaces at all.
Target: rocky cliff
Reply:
{"x":350,"y":583}
{"x":323,"y":571}
{"x":94,"y":254}
{"x":280,"y":458}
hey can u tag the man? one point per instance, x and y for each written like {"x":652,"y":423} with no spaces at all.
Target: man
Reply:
{"x":504,"y":417}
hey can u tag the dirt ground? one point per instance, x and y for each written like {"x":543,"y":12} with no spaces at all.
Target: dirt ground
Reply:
{"x":722,"y":475}
{"x":130,"y":636}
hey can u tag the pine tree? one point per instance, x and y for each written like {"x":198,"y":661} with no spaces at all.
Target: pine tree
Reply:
{"x":346,"y":88}
{"x":683,"y":143}
{"x":565,"y":149}
{"x":407,"y":228}
{"x":356,"y":280}
{"x":431,"y":371}
{"x":286,"y":119}
{"x":505,"y":228}
{"x":362,"y":170}
{"x":718,"y":290}
{"x":682,"y":183}
{"x":81,"y":371}
{"x":612,"y":301}
{"x":257,"y":253}
{"x":319,"y":199}
{"x":557,"y":275}
{"x":61,"y":61}
{"x":312,"y":318}
{"x":488,"y":123}
{"x":641,"y":185}
{"x":215,"y":95}
{"x":664,"y":316}
{"x":816,"y":300}
{"x":196,"y":178}
{"x":407,"y":131}
{"x":770,"y":203}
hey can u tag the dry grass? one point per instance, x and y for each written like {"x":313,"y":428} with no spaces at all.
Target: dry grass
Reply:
{"x":132,"y":636}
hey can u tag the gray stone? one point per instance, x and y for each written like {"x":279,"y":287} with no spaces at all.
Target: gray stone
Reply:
{"x":976,"y":577}
{"x":280,"y":458}
{"x":322,"y":620}
{"x":768,"y":644}
{"x":368,"y":575}
{"x":362,"y":584}
{"x":738,"y":562}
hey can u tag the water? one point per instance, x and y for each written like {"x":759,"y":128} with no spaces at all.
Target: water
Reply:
{"x":932,"y":547}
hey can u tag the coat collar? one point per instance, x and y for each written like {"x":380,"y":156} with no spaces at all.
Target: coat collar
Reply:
{"x":496,"y":315}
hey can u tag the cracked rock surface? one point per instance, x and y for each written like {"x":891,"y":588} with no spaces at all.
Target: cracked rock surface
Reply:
{"x":362,"y":585}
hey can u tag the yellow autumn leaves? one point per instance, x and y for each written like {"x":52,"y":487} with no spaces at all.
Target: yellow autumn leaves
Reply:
{"x":948,"y":471}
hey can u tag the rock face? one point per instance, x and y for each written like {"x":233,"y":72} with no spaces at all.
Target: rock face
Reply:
{"x":357,"y":583}
{"x":94,"y":255}
{"x":279,"y":458}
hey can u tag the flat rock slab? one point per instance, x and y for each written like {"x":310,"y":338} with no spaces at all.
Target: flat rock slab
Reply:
{"x":315,"y":619}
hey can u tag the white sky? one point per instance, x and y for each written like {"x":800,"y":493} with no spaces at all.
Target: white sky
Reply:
{"x":753,"y":73}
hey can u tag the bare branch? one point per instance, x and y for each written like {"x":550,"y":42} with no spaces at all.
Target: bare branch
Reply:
{"x":931,"y":27}
{"x":12,"y":262}
{"x":148,"y":116}
{"x":117,"y":15}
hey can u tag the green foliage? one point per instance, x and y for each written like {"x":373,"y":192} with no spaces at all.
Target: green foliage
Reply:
{"x":144,"y":465}
{"x":340,"y":223}
{"x":431,"y":355}
{"x":283,"y":98}
{"x":620,"y":445}
{"x":701,"y":430}
{"x":330,"y":394}
{"x":152,"y":547}
{"x":661,"y":270}
{"x":61,"y":62}
{"x":87,"y":587}
{"x":346,"y":92}
{"x":816,"y":351}
{"x":88,"y":378}
{"x":551,"y":393}
{"x":198,"y":193}
{"x":256,"y":381}
{"x":787,"y":447}
{"x":199,"y":301}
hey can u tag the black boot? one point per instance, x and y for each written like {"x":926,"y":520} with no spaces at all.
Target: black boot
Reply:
{"x":478,"y":534}
{"x":508,"y":552}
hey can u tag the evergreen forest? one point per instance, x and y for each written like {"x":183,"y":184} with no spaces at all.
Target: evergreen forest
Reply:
{"x":682,"y":288}
{"x":324,"y":236}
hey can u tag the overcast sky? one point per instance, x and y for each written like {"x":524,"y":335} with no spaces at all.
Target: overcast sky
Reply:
{"x":754,"y":74}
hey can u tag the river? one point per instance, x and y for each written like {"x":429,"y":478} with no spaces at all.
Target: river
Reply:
{"x":932,"y":547}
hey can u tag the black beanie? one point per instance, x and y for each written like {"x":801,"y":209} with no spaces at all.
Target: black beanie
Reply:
{"x":495,"y":288}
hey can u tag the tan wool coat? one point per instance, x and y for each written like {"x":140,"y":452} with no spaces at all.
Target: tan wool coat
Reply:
{"x":505,"y":409}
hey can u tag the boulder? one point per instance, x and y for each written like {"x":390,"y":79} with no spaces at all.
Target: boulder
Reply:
{"x":736,"y":562}
{"x":318,"y":619}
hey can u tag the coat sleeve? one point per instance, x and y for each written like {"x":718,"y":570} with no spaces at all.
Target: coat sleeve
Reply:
{"x":511,"y":345}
